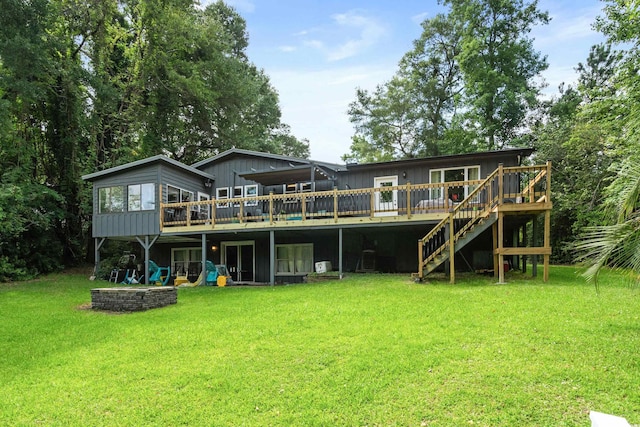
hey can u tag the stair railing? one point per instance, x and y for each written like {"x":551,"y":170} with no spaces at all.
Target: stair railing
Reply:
{"x":480,"y":203}
{"x":477,"y":204}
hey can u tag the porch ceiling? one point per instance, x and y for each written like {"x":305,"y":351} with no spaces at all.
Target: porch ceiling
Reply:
{"x":288,"y":175}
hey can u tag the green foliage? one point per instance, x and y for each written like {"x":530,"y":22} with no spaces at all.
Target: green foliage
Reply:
{"x":581,"y":135}
{"x":467,"y":85}
{"x":28,"y":242}
{"x":617,"y":241}
{"x":89,"y":85}
{"x":498,"y":64}
{"x":367,"y":350}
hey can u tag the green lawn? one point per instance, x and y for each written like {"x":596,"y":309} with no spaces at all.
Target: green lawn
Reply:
{"x":374,"y":350}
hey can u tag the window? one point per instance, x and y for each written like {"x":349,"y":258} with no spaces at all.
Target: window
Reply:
{"x":238,"y":193}
{"x":186,"y":196}
{"x":222,"y":193}
{"x":178,"y":195}
{"x":300,"y":187}
{"x":204,"y":208}
{"x":294,"y":259}
{"x":386,"y":196}
{"x":251,"y":191}
{"x":186,"y":261}
{"x":173,"y":194}
{"x":467,"y":173}
{"x":111,"y":199}
{"x":305,"y":187}
{"x":141,"y":197}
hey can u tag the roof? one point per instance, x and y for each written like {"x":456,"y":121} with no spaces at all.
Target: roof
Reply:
{"x":523,"y":152}
{"x":146,"y":162}
{"x":251,"y":153}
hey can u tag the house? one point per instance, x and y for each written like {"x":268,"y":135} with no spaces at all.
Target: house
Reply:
{"x":270,"y":218}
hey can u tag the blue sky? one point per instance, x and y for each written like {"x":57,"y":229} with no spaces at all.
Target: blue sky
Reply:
{"x":317,"y":52}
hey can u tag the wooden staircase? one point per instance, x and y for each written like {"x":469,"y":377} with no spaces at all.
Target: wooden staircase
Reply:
{"x":514,"y":190}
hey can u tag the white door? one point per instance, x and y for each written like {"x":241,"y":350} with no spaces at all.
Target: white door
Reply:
{"x":386,"y":202}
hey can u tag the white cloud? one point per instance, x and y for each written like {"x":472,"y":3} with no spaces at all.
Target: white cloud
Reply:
{"x":417,"y":19}
{"x":350,"y":34}
{"x":287,"y":49}
{"x":370,"y":32}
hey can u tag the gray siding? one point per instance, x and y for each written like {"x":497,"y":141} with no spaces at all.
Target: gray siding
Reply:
{"x":228,"y":169}
{"x":144,"y":222}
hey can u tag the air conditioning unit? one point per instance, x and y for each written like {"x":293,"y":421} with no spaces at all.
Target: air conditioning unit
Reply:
{"x":323,"y":266}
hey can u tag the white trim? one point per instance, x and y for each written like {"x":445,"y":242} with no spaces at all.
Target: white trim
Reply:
{"x":254,"y":194}
{"x":228,"y":190}
{"x":382,"y":207}
{"x":467,"y":188}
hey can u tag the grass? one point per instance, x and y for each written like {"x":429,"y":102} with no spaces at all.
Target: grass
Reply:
{"x":368,"y":350}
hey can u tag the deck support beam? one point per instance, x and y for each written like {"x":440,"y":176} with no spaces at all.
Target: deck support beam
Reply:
{"x":500,"y":248}
{"x":204,"y":257}
{"x":340,"y":251}
{"x":98,"y":242}
{"x":146,"y":245}
{"x":272,"y":258}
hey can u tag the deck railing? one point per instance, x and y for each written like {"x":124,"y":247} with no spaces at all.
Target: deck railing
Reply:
{"x":402,"y":200}
{"x":524,"y":184}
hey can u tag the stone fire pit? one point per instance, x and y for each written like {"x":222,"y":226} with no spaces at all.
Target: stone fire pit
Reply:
{"x":132,"y":298}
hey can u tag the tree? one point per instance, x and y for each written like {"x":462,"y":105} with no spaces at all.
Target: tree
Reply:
{"x":498,"y":64}
{"x":409,"y":116}
{"x":596,"y":76}
{"x":467,"y":85}
{"x":386,"y":123}
{"x":87,"y":85}
{"x":578,"y":134}
{"x":616,"y":241}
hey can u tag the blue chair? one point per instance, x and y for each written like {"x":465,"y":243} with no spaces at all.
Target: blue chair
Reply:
{"x":158,"y":274}
{"x":212,"y":273}
{"x":131,"y":277}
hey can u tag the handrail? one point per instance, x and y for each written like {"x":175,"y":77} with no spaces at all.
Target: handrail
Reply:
{"x":365,"y":201}
{"x":449,"y":219}
{"x":413,"y":201}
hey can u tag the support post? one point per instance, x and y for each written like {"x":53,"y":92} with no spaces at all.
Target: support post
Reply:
{"x":340,"y":253}
{"x":272,"y":258}
{"x":534,"y":258}
{"x":524,"y":243}
{"x":146,"y":259}
{"x":98,"y":242}
{"x":500,"y":247}
{"x":146,"y":245}
{"x":420,"y":261}
{"x":204,"y":257}
{"x":452,"y":251}
{"x":547,"y":243}
{"x":494,"y":230}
